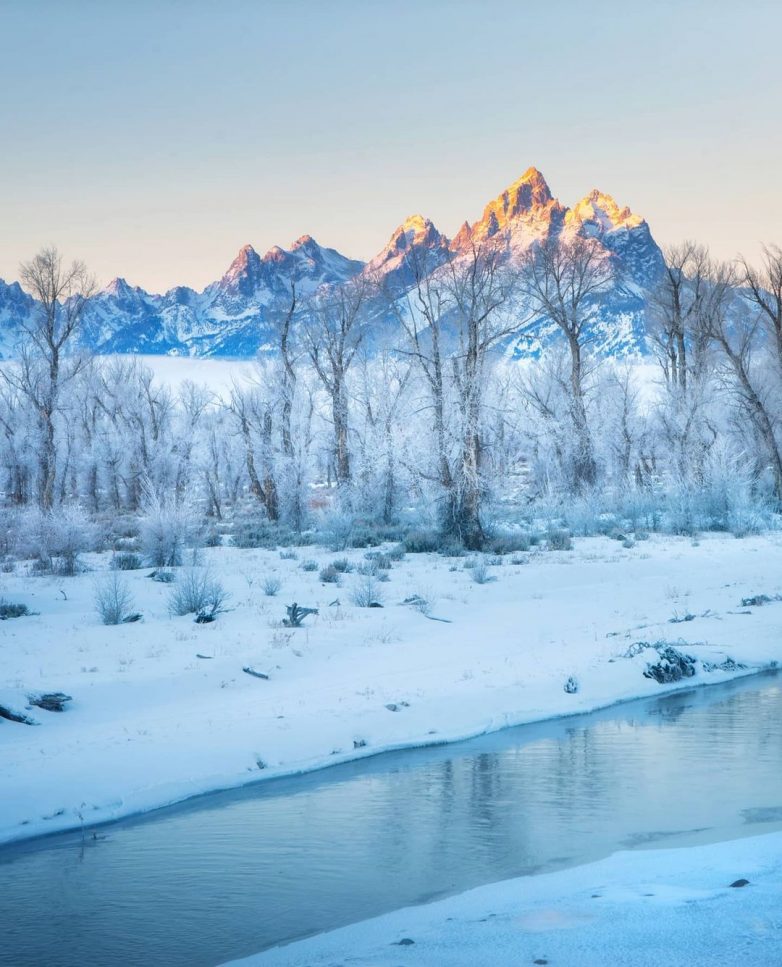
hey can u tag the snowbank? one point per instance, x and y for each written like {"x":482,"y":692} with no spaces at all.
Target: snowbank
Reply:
{"x":639,"y":909}
{"x":162,"y":709}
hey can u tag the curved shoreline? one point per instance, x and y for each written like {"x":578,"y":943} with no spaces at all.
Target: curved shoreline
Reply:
{"x":324,"y":765}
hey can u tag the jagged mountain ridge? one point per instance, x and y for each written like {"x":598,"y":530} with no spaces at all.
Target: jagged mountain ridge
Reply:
{"x":230,"y":317}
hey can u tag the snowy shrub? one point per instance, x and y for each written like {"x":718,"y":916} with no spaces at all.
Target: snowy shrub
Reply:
{"x":196,"y":591}
{"x":271,"y":586}
{"x":255,"y":531}
{"x":396,"y":553}
{"x":366,"y":592}
{"x":213,"y":538}
{"x":480,"y":573}
{"x":10,"y":610}
{"x":289,"y":556}
{"x":329,"y":575}
{"x":126,"y":562}
{"x":367,"y":535}
{"x":113,"y":600}
{"x":510,"y":543}
{"x":55,"y":540}
{"x":343,"y":565}
{"x":423,"y":541}
{"x":558,"y":540}
{"x":342,"y":530}
{"x":166,"y":529}
{"x":379,"y":560}
{"x":71,"y":534}
{"x":423,"y":601}
{"x":585,"y":514}
{"x":309,"y":566}
{"x":337,"y":528}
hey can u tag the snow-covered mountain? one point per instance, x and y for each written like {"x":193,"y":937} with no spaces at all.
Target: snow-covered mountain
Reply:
{"x":230,"y":317}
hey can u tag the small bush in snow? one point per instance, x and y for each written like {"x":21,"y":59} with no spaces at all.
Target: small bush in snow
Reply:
{"x":10,"y":610}
{"x":329,"y":575}
{"x":510,"y":543}
{"x":126,"y":562}
{"x":423,"y":541}
{"x":72,"y":534}
{"x":289,"y":556}
{"x":255,"y":531}
{"x":343,"y":565}
{"x":450,"y":547}
{"x":113,"y":600}
{"x":271,"y":586}
{"x":367,"y":592}
{"x":309,"y":566}
{"x":55,"y":540}
{"x":396,"y":553}
{"x":422,"y":602}
{"x":381,"y":561}
{"x":558,"y":540}
{"x":196,"y":592}
{"x":480,"y":573}
{"x":166,"y":529}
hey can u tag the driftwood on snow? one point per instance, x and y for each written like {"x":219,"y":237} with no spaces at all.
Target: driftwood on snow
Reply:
{"x":251,"y":671}
{"x":296,"y":615}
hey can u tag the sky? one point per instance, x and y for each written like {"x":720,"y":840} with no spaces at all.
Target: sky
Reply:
{"x":153,"y":140}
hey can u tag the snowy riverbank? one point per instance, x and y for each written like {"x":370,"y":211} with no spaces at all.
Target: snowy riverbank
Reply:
{"x":151,"y":722}
{"x":639,"y":909}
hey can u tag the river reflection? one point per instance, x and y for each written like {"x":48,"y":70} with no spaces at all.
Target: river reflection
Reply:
{"x":232,"y":873}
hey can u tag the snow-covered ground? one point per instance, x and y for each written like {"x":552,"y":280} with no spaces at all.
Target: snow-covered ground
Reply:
{"x":639,"y":909}
{"x":162,"y":709}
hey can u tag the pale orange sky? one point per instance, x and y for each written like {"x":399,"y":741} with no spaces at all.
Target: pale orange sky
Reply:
{"x":154,"y":140}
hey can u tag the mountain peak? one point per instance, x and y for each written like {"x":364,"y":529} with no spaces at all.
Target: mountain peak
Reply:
{"x":526,"y":198}
{"x":117,"y":287}
{"x":243,"y":272}
{"x":531,"y":190}
{"x":414,"y":231}
{"x":306,"y":242}
{"x":245,"y":256}
{"x":601,"y":212}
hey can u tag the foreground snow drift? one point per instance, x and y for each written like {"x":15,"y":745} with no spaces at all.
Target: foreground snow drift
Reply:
{"x":639,"y":909}
{"x":162,"y":709}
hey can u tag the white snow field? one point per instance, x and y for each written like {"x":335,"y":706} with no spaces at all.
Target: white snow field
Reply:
{"x":650,"y":908}
{"x":151,"y":722}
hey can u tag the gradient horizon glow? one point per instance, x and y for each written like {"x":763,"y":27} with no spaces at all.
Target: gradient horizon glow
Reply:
{"x":153,"y":140}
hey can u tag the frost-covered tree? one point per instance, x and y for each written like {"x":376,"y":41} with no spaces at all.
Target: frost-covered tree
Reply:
{"x":748,"y":365}
{"x":334,"y":328}
{"x":560,"y":280}
{"x":454,"y":317}
{"x":45,"y":365}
